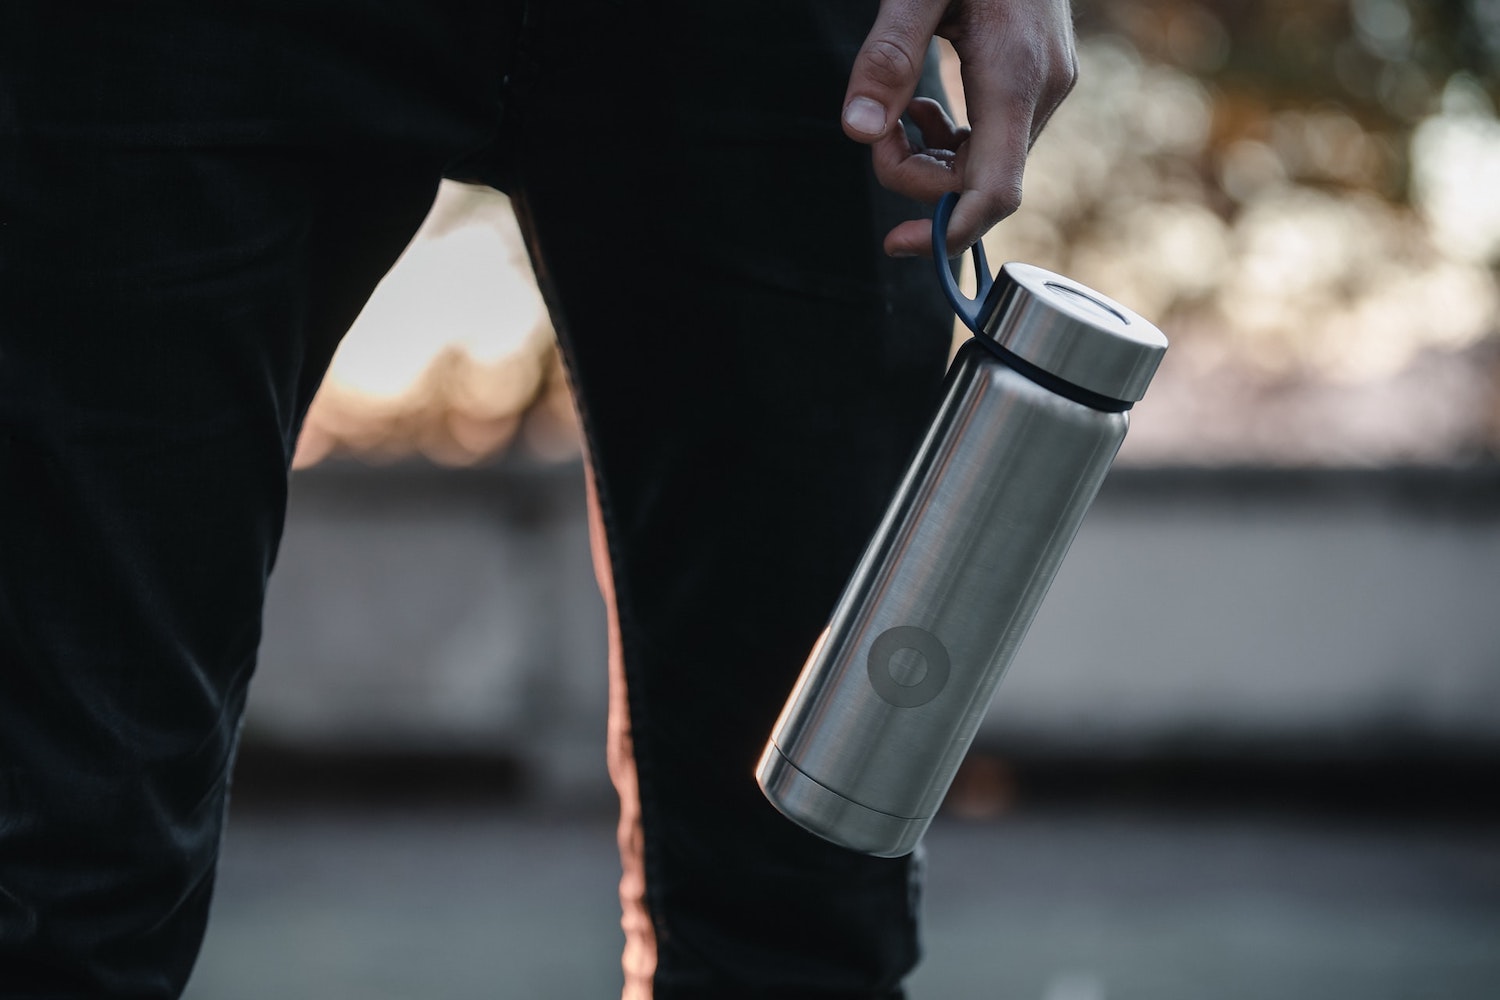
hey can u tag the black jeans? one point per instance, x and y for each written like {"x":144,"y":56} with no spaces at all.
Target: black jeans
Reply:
{"x":195,"y":201}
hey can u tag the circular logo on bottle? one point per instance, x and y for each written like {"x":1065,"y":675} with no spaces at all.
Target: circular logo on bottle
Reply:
{"x":908,"y":666}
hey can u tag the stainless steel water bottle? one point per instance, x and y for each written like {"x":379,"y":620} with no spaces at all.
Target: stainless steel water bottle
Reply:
{"x":1032,"y":415}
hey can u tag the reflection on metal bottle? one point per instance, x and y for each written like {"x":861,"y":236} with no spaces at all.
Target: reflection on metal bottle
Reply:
{"x":1032,"y":416}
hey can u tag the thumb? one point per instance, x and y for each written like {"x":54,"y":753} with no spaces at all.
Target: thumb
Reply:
{"x":888,"y":66}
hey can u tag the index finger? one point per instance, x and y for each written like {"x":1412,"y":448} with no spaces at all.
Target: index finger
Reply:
{"x":1015,"y":73}
{"x":992,"y":164}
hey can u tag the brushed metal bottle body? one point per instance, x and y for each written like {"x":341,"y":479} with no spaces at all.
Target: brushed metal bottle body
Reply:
{"x":894,"y":691}
{"x":1032,"y":415}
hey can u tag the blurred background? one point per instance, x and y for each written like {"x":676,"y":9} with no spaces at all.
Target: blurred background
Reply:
{"x":1251,"y":747}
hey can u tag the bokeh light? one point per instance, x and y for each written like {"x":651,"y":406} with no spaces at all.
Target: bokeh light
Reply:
{"x":1304,"y":196}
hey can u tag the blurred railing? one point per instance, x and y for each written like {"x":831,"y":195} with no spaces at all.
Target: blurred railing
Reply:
{"x":1299,"y":554}
{"x":1334,"y":615}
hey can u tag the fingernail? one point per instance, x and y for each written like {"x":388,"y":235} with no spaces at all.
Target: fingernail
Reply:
{"x":865,"y":116}
{"x":902,"y":253}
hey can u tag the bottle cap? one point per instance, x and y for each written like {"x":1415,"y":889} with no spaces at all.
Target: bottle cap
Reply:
{"x":1061,"y":326}
{"x":1072,"y":332}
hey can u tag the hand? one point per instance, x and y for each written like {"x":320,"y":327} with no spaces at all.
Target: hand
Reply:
{"x":1017,"y":64}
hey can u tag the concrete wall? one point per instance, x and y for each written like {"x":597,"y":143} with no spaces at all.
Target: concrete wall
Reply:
{"x":437,"y":611}
{"x":1323,"y":612}
{"x":1255,"y":611}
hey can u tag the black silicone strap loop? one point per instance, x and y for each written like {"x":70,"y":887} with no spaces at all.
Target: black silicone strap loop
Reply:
{"x":974,"y":312}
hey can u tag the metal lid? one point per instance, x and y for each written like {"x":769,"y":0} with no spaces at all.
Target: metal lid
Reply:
{"x":1066,"y":329}
{"x":1072,"y":332}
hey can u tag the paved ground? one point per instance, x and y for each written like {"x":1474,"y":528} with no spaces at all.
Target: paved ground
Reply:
{"x":1059,"y":903}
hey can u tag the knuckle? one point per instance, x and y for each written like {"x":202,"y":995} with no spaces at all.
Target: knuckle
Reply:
{"x":1003,"y":202}
{"x":1063,"y":74}
{"x":886,"y":172}
{"x":889,"y":61}
{"x":1039,"y":73}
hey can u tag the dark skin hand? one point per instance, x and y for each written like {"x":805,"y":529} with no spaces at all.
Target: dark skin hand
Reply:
{"x":1017,"y":63}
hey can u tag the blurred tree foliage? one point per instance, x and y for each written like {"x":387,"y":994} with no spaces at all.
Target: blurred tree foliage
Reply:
{"x":1305,"y":195}
{"x":1382,"y":62}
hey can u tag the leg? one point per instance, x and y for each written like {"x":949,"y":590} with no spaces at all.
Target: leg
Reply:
{"x":182,"y":244}
{"x":752,"y":374}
